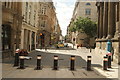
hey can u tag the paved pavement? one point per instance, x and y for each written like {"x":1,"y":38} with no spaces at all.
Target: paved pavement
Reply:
{"x":97,"y":60}
{"x":64,"y":62}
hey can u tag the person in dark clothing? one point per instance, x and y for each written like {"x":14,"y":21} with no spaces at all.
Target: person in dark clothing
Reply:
{"x":23,"y":52}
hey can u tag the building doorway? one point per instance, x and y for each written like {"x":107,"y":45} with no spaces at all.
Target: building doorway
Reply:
{"x":33,"y":41}
{"x":42,"y":40}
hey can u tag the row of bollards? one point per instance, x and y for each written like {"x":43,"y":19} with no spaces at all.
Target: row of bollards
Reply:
{"x":106,"y":62}
{"x":55,"y":65}
{"x":72,"y":63}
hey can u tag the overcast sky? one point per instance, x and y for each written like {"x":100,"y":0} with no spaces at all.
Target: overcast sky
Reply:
{"x":64,"y":10}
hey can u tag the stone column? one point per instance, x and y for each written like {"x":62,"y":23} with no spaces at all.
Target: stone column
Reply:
{"x":22,"y":39}
{"x":98,"y":26}
{"x":35,"y":40}
{"x":105,"y":20}
{"x":117,"y":20}
{"x":119,"y":37}
{"x":30,"y":36}
{"x":111,"y":19}
{"x":9,"y":4}
{"x":25,"y":39}
{"x":101,"y":20}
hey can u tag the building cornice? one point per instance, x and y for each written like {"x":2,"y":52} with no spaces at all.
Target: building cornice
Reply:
{"x":29,"y":27}
{"x":105,"y":40}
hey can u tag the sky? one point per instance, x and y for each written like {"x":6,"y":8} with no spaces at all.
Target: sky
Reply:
{"x":64,"y":11}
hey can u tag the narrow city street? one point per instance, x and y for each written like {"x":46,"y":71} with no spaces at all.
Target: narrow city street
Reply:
{"x":60,"y":39}
{"x":64,"y":65}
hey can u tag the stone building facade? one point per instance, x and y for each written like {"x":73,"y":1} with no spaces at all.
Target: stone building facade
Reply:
{"x":47,"y":24}
{"x":29,"y":25}
{"x":82,"y":9}
{"x":58,"y":33}
{"x":108,"y":28}
{"x":11,"y":27}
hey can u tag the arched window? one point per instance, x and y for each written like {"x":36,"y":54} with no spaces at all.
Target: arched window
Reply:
{"x":88,"y":4}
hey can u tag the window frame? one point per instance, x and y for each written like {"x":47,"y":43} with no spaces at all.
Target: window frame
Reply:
{"x":87,"y":11}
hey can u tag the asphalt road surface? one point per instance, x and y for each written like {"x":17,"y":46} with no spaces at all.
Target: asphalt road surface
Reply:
{"x":48,"y":58}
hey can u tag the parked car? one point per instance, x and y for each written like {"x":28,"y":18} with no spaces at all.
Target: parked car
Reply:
{"x":65,"y":45}
{"x":60,"y":45}
{"x":23,"y":52}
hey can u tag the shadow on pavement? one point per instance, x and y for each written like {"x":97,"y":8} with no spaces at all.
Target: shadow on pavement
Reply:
{"x":64,"y":62}
{"x":96,"y":65}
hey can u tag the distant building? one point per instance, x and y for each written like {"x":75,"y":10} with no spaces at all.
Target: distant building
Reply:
{"x":57,"y":33}
{"x":48,"y":25}
{"x":108,"y":28}
{"x":82,"y":9}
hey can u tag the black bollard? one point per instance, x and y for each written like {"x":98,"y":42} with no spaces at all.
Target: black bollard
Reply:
{"x":21,"y":62}
{"x":105,"y":63}
{"x":109,"y":61}
{"x":16,"y":61}
{"x":89,"y":63}
{"x":72,"y":64}
{"x":38,"y":63}
{"x":55,"y":67}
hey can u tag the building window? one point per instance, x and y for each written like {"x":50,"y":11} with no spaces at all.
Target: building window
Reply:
{"x":26,"y":11}
{"x":88,"y":11}
{"x":43,"y":24}
{"x":33,"y":41}
{"x":43,"y":10}
{"x":29,"y":14}
{"x":34,"y":17}
{"x":88,"y":4}
{"x":6,"y":37}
